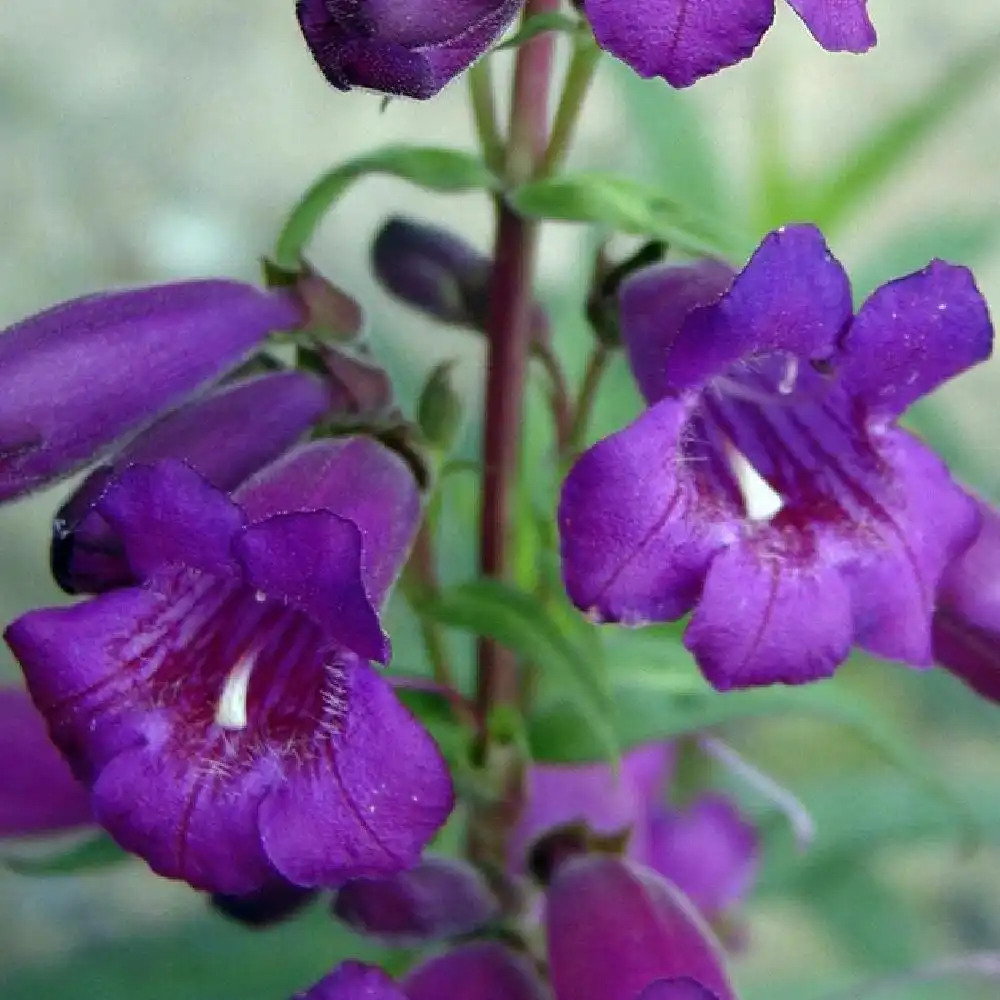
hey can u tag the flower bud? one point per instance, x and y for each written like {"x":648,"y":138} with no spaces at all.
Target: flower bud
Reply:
{"x":410,"y":49}
{"x":353,"y":981}
{"x":439,"y":898}
{"x":615,"y":929}
{"x":433,"y":271}
{"x":77,"y":377}
{"x":226,"y":435}
{"x":439,"y":412}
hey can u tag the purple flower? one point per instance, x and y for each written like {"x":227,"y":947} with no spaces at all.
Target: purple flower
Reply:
{"x":684,"y":40}
{"x":705,"y":848}
{"x":771,"y":370}
{"x":38,"y":793}
{"x":967,"y":619}
{"x":411,"y":48}
{"x":438,"y":898}
{"x":223,"y":713}
{"x":226,"y":436}
{"x":483,"y":970}
{"x":616,"y":929}
{"x":78,"y":377}
{"x":354,"y":981}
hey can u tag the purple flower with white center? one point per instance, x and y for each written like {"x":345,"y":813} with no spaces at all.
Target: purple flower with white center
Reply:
{"x":410,"y":48}
{"x":223,"y":712}
{"x":967,"y":619}
{"x":438,"y":898}
{"x":226,"y":436}
{"x":80,"y":376}
{"x":38,"y":793}
{"x":685,"y":40}
{"x":772,"y":371}
{"x":616,"y":929}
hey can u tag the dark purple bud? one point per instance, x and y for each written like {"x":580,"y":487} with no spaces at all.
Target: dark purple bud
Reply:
{"x":354,"y":981}
{"x":76,"y":378}
{"x":967,"y":617}
{"x":409,"y":49}
{"x":271,"y":905}
{"x":226,"y":435}
{"x":38,"y":793}
{"x":481,"y":971}
{"x":615,"y":929}
{"x":684,"y":988}
{"x":433,"y":271}
{"x":439,"y":898}
{"x":363,"y":387}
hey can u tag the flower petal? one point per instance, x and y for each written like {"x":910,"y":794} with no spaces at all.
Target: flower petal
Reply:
{"x":369,"y":804}
{"x":480,"y":971}
{"x":38,"y":793}
{"x":615,"y":928}
{"x":913,"y":334}
{"x":188,"y":818}
{"x":607,"y":800}
{"x":411,"y":50}
{"x":636,"y":536}
{"x":356,"y":478}
{"x":792,"y":296}
{"x":768,"y":615}
{"x":438,"y":898}
{"x":169,"y":515}
{"x":894,"y":559}
{"x":654,"y":304}
{"x":72,"y":660}
{"x":707,"y":850}
{"x":967,"y":620}
{"x":680,"y":40}
{"x":354,"y":981}
{"x":676,"y":989}
{"x":312,"y":562}
{"x":838,"y":25}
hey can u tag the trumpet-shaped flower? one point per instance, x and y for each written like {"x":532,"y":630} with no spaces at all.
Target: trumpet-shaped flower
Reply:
{"x":771,"y":373}
{"x":223,"y":711}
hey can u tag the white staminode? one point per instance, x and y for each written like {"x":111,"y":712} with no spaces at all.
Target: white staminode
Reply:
{"x":761,"y":501}
{"x":231,"y":712}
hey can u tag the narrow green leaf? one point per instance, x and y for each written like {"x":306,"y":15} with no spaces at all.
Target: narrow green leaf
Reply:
{"x":538,"y":25}
{"x":888,"y":148}
{"x":447,"y":171}
{"x":96,"y":852}
{"x":620,"y":204}
{"x":517,"y":620}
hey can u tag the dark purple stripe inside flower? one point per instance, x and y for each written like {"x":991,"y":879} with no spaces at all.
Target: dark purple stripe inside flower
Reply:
{"x":776,"y":374}
{"x":223,"y":712}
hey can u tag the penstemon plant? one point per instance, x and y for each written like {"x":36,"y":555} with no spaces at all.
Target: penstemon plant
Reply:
{"x":537,"y":813}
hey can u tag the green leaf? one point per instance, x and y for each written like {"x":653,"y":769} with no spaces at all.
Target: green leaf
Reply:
{"x":518,"y":621}
{"x":447,"y":171}
{"x":620,"y":204}
{"x":867,"y":168}
{"x":96,"y":852}
{"x":538,"y":25}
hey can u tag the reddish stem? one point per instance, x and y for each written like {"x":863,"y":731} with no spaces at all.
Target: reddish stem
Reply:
{"x":509,"y":342}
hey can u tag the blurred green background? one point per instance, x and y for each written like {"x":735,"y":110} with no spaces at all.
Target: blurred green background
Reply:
{"x":144,"y":142}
